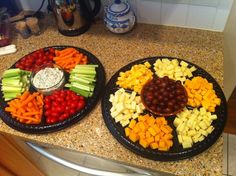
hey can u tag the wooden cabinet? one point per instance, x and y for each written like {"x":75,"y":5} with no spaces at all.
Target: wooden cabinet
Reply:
{"x":16,"y":158}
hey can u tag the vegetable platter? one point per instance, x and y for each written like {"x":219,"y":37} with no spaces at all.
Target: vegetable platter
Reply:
{"x":164,"y":108}
{"x":50,"y":89}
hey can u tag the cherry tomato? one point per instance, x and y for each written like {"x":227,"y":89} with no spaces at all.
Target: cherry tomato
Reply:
{"x":72,"y":111}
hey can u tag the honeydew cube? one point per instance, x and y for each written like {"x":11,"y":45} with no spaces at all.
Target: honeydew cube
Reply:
{"x":203,"y":125}
{"x":214,"y":117}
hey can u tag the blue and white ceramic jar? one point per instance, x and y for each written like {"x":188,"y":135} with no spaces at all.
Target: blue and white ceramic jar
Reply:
{"x":119,"y":18}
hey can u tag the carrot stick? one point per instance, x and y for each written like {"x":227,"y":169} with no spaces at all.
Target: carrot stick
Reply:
{"x":30,"y":98}
{"x":31,"y":113}
{"x":24,"y":96}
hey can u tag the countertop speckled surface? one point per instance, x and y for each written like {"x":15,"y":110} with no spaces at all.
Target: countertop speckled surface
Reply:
{"x":91,"y":135}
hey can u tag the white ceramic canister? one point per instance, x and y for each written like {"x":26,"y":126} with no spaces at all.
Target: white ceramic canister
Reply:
{"x":119,"y":18}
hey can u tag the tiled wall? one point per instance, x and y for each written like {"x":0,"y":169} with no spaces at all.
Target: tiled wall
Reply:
{"x":203,"y":14}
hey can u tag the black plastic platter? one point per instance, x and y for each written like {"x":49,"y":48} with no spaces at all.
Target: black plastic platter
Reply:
{"x":43,"y":127}
{"x":176,"y":152}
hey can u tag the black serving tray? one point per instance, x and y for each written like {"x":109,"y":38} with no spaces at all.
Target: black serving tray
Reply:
{"x":43,"y":127}
{"x":176,"y":152}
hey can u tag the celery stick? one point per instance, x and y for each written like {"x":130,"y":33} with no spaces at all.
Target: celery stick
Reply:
{"x":79,"y":80}
{"x":81,"y":86}
{"x":12,"y":72}
{"x":11,"y":82}
{"x":11,"y":89}
{"x":84,"y":71}
{"x":11,"y":94}
{"x":83,"y":75}
{"x":86,"y":66}
{"x":80,"y":91}
{"x":8,"y":99}
{"x":90,"y":80}
{"x":18,"y":77}
{"x":67,"y":85}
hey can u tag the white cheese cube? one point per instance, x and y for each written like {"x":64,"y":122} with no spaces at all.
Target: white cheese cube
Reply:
{"x":203,"y":132}
{"x":135,"y":115}
{"x":201,"y":138}
{"x":191,"y":132}
{"x":214,"y":117}
{"x":112,"y":97}
{"x":112,"y":109}
{"x":210,"y":129}
{"x":133,"y":105}
{"x":124,"y":123}
{"x":202,"y":111}
{"x":133,"y":95}
{"x":203,"y":125}
{"x":186,"y":145}
{"x":177,"y":122}
{"x":180,"y":139}
{"x":184,"y":64}
{"x":192,"y":69}
{"x":115,"y":113}
{"x":119,"y":118}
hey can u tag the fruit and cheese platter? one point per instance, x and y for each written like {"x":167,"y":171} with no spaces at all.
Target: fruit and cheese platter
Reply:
{"x":50,"y":89}
{"x":164,"y":108}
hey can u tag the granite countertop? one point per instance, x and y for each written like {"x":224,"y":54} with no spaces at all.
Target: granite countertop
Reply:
{"x":91,"y":135}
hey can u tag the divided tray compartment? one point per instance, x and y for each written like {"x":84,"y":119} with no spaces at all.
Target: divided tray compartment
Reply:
{"x":43,"y":127}
{"x":176,"y":152}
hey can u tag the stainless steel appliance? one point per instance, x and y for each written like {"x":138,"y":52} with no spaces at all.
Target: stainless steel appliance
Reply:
{"x":74,"y":17}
